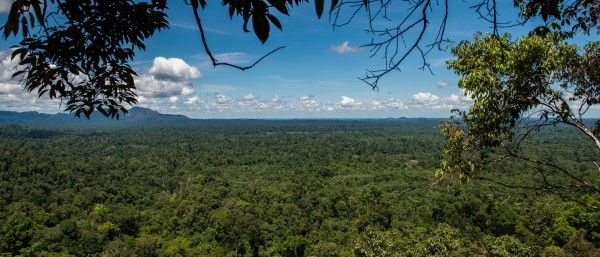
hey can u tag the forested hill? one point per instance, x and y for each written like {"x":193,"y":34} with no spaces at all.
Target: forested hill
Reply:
{"x":143,"y":117}
{"x":277,"y":188}
{"x":137,"y":115}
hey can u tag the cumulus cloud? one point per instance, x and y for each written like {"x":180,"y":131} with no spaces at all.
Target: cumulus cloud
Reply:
{"x":166,"y":78}
{"x":304,"y":98}
{"x":249,"y":97}
{"x":147,"y":100}
{"x":12,"y":95}
{"x":345,"y":48}
{"x":173,"y":69}
{"x":394,"y":103}
{"x":251,"y":105}
{"x":222,"y":99}
{"x":275,"y":99}
{"x":306,"y":103}
{"x":195,"y":100}
{"x":347,"y":102}
{"x":10,"y":88}
{"x":187,"y":91}
{"x":424,"y":97}
{"x":429,"y":101}
{"x":375,"y":105}
{"x":149,"y":86}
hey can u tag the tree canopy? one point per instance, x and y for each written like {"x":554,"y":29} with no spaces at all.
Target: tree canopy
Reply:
{"x":274,"y":188}
{"x":90,"y":70}
{"x":519,"y":88}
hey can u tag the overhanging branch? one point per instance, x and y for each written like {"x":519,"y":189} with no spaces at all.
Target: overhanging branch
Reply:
{"x":216,"y":62}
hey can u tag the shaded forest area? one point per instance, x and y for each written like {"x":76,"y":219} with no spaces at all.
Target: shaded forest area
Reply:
{"x":276,"y":188}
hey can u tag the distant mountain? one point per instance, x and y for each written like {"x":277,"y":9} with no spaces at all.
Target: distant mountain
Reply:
{"x":136,"y":116}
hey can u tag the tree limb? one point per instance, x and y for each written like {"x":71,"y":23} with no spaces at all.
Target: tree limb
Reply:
{"x":215,"y":62}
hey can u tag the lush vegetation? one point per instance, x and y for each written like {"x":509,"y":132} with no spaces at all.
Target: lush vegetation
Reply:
{"x":276,"y":188}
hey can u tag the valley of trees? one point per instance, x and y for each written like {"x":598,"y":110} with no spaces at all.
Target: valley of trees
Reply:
{"x":280,"y":188}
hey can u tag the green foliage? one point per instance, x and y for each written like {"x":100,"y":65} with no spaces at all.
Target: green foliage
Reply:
{"x":17,"y":232}
{"x":374,"y":243}
{"x":83,"y":60}
{"x":579,"y":219}
{"x":519,"y":88}
{"x":268,"y":188}
{"x":506,"y":246}
{"x":442,"y":241}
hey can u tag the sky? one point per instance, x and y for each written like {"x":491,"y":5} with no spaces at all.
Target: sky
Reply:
{"x":314,"y":76}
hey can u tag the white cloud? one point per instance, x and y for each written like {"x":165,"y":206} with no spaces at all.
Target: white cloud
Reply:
{"x":249,"y":97}
{"x":304,"y":98}
{"x":195,"y":100}
{"x":394,"y":103}
{"x":306,"y":103}
{"x":5,"y":6}
{"x":347,"y":102}
{"x":250,"y":105}
{"x":146,"y":100}
{"x":345,"y":48}
{"x":375,"y":105}
{"x":424,"y":97}
{"x":222,"y":99}
{"x":454,"y":98}
{"x":187,"y":91}
{"x":166,"y":78}
{"x":150,"y":86}
{"x":13,"y":97}
{"x":442,"y":84}
{"x":173,"y":69}
{"x":275,"y":99}
{"x":10,"y":88}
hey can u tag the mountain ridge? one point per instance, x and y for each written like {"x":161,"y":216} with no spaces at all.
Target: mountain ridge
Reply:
{"x":136,"y":115}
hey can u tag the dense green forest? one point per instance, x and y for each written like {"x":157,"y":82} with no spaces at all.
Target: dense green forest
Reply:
{"x":277,"y":188}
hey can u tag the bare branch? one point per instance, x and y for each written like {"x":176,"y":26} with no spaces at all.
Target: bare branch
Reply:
{"x":582,"y":182}
{"x":549,"y":189}
{"x":215,"y":62}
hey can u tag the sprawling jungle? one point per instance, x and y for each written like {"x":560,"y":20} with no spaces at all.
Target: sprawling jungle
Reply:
{"x":279,"y":188}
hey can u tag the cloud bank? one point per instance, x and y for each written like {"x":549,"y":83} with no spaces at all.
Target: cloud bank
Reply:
{"x":12,"y":95}
{"x":253,"y":106}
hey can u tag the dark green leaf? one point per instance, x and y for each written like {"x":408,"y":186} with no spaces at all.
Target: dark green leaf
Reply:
{"x":333,"y":5}
{"x":275,"y":21}
{"x":279,"y":5}
{"x":261,"y":27}
{"x":24,"y":26}
{"x":38,"y":12}
{"x":319,"y":5}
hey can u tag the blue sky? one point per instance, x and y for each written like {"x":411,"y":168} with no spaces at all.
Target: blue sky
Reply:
{"x":315,"y":76}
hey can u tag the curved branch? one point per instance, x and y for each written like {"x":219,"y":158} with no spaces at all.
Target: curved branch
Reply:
{"x":215,"y":62}
{"x":584,"y":183}
{"x":550,"y":189}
